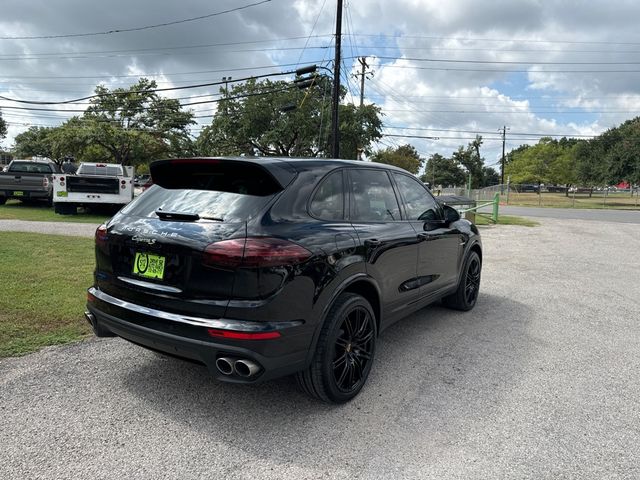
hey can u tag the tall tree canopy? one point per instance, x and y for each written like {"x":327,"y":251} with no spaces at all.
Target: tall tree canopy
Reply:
{"x":129,"y":126}
{"x":443,"y":171}
{"x":405,"y":156}
{"x":612,"y":157}
{"x":134,"y":125}
{"x":274,"y":118}
{"x":35,"y":142}
{"x":549,"y":161}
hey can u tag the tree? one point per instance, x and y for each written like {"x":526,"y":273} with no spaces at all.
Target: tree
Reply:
{"x":134,"y":125}
{"x":444,"y":171}
{"x":3,"y":127}
{"x":490,"y":177}
{"x":549,"y":161}
{"x":35,"y":142}
{"x":274,"y":118}
{"x":470,"y":159}
{"x":405,"y":156}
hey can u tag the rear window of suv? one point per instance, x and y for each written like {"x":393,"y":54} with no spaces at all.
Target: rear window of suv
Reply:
{"x":225,"y":206}
{"x":228,"y":192}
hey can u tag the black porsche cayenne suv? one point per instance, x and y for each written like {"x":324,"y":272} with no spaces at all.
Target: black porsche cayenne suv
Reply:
{"x":265,"y":267}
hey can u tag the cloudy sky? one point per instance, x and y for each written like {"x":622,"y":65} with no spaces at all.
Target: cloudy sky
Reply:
{"x":438,"y":69}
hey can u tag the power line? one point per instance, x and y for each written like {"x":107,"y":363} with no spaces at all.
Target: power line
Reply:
{"x":508,"y":40}
{"x":127,"y":92}
{"x":480,"y":132}
{"x":306,"y":43}
{"x":153,"y":49}
{"x":501,"y":62}
{"x":136,"y":29}
{"x":216,"y":100}
{"x":157,"y":73}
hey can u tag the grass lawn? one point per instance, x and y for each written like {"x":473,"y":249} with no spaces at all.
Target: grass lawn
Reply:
{"x":43,"y":282}
{"x":507,"y":220}
{"x":16,"y":210}
{"x":622,"y":201}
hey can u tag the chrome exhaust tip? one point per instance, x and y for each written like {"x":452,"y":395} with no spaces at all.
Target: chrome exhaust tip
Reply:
{"x":246,"y":368}
{"x":90,"y":318}
{"x":225,"y":365}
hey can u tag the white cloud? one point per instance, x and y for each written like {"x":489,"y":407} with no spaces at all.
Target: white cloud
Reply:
{"x":449,"y":98}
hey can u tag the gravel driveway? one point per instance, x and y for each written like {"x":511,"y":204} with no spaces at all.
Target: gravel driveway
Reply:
{"x":54,"y":228}
{"x":541,"y":380}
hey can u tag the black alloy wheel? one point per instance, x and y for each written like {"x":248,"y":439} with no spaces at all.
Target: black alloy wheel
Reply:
{"x":466,"y":296}
{"x":472,"y":280}
{"x":353,"y":349}
{"x":344,"y":353}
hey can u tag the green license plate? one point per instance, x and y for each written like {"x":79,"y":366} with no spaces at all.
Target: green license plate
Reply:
{"x":62,"y":194}
{"x":148,"y":265}
{"x":18,"y":194}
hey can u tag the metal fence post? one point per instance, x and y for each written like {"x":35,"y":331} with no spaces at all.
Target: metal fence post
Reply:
{"x":508,"y":187}
{"x":496,"y":205}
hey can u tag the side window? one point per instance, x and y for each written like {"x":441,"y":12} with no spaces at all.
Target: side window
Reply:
{"x":328,"y":201}
{"x":372,"y":197}
{"x":419,"y":204}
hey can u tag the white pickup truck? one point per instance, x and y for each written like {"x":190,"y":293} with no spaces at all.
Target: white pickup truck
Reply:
{"x":94,"y":184}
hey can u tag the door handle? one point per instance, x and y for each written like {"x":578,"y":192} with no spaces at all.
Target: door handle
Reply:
{"x":372,"y":242}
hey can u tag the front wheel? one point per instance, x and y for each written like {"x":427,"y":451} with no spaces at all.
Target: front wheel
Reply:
{"x":465,"y":297}
{"x":344,"y":353}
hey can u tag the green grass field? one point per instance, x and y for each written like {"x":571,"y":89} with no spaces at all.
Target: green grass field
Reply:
{"x":43,"y":282}
{"x":621,"y":201}
{"x":16,"y":210}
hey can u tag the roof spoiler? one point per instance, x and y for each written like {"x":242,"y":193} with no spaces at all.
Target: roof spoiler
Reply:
{"x":222,"y":174}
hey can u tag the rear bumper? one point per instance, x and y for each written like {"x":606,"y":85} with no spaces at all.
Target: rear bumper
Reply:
{"x":187,"y":337}
{"x":34,"y":194}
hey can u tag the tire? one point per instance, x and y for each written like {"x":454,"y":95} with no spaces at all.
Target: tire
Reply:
{"x":3,"y":200}
{"x":344,"y":353}
{"x":65,"y":208}
{"x":465,"y":297}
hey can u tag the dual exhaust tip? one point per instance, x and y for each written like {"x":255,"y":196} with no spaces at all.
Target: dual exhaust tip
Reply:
{"x":241,"y":367}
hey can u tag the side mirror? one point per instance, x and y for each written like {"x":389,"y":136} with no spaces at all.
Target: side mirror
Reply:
{"x":450,"y":214}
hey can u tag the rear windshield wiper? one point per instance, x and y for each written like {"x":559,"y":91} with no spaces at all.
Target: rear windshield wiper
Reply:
{"x":184,"y":216}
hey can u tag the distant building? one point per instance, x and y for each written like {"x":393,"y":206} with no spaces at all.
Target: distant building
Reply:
{"x":5,"y":158}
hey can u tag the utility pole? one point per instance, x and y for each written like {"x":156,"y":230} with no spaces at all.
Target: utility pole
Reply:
{"x":363,"y":63}
{"x":335,"y":132}
{"x":504,"y":136}
{"x":226,"y":81}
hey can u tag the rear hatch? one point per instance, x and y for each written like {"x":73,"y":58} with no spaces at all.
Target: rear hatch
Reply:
{"x":153,"y":251}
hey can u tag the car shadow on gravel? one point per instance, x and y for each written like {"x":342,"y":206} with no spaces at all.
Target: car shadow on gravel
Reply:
{"x":428,"y":367}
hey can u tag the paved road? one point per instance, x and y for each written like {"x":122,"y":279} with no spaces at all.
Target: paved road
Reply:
{"x":617,"y":216}
{"x":540,"y":381}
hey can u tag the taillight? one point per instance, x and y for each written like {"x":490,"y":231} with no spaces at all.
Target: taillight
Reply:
{"x":256,"y":252}
{"x":101,"y":235}
{"x":242,"y":335}
{"x":45,"y":182}
{"x":123,"y":184}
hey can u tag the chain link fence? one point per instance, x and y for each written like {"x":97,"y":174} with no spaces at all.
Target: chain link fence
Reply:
{"x":552,"y":196}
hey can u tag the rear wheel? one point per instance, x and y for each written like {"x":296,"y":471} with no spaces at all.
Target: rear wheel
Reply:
{"x":465,"y":297}
{"x":344,"y":353}
{"x":3,"y":200}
